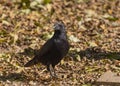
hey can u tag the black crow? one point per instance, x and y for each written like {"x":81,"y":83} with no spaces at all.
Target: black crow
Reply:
{"x":53,"y":50}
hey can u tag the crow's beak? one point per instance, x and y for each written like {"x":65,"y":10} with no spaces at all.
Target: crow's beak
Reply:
{"x":55,"y":26}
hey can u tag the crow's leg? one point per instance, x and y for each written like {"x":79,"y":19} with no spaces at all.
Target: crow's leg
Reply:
{"x":52,"y":71}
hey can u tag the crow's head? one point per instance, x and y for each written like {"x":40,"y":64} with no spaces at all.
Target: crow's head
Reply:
{"x":59,"y":26}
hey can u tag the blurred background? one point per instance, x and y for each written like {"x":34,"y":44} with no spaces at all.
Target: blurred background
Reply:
{"x":93,"y":29}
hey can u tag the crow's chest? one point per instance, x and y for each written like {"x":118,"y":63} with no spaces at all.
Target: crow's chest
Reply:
{"x":62,"y":46}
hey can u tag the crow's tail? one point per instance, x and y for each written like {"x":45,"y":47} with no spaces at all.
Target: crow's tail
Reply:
{"x":32,"y":62}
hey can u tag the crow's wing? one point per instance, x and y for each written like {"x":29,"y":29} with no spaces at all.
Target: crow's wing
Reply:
{"x":44,"y":50}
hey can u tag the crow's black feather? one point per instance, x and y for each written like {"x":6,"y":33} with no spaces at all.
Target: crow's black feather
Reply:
{"x":53,"y":50}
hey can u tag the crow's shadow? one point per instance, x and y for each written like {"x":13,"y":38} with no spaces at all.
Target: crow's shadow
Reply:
{"x":98,"y":53}
{"x":29,"y":52}
{"x":13,"y":77}
{"x":94,"y":53}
